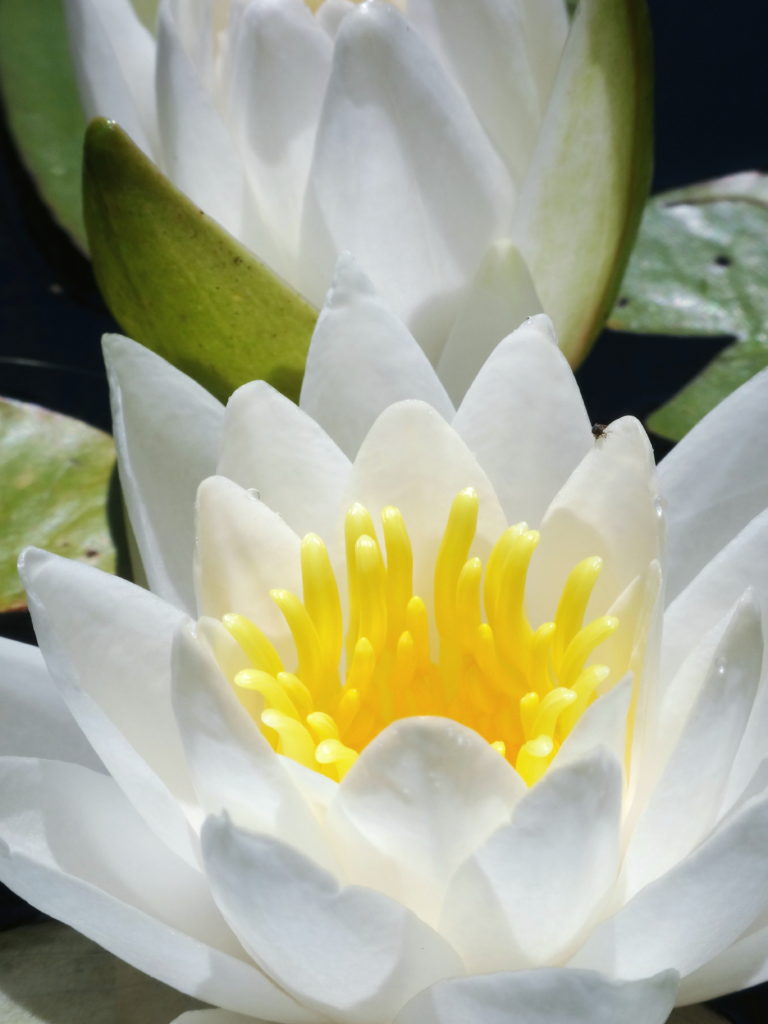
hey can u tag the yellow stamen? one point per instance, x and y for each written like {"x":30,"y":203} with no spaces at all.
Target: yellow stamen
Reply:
{"x":520,"y":687}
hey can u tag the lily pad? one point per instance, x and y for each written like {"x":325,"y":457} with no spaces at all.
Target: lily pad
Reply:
{"x":179,"y":283}
{"x":42,"y":104}
{"x":54,"y":487}
{"x":700,"y":267}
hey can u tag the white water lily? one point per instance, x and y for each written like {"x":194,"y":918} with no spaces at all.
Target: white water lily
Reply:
{"x":483,"y":161}
{"x":534,"y":791}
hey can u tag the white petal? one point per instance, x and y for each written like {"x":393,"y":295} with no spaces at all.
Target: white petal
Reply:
{"x":485,"y":49}
{"x":413,"y":460}
{"x":715,"y":481}
{"x":279,"y":68}
{"x":742,"y":965}
{"x":233,"y":767}
{"x":714,"y":591}
{"x":500,"y":296}
{"x":403,"y":175}
{"x":420,"y":798}
{"x":244,"y":551}
{"x":705,"y":903}
{"x":543,"y":877}
{"x":607,"y":507}
{"x":35,"y":721}
{"x":690,"y":791}
{"x":167,"y":431}
{"x":271,"y":445}
{"x":362,"y":359}
{"x":603,"y":725}
{"x":528,"y":448}
{"x":546,"y":30}
{"x":544,"y":997}
{"x":107,"y":644}
{"x":351,"y":952}
{"x":198,"y":154}
{"x":114,"y":58}
{"x":73,"y":846}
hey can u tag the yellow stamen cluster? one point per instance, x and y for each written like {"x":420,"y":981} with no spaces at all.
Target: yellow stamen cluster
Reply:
{"x":523,"y":689}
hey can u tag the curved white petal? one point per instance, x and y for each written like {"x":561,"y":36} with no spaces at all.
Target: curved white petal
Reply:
{"x":107,"y":644}
{"x":361,"y":360}
{"x":114,"y":56}
{"x":244,"y":550}
{"x":279,"y":68}
{"x":413,"y":460}
{"x":277,"y":449}
{"x":347,"y":951}
{"x":527,"y":448}
{"x":498,"y":298}
{"x":607,"y":507}
{"x":705,"y":903}
{"x":742,"y":965}
{"x":233,"y":767}
{"x":403,"y":175}
{"x":35,"y":721}
{"x":690,"y":791}
{"x":167,"y":432}
{"x":546,"y":996}
{"x":715,"y":482}
{"x":602,"y":726}
{"x":486,"y":50}
{"x":421,"y":797}
{"x":198,"y":153}
{"x":543,"y":877}
{"x":74,"y":847}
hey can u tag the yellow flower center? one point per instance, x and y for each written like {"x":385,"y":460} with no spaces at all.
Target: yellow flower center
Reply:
{"x":522,"y":689}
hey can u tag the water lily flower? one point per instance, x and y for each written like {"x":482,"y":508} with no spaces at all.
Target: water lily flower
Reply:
{"x":430,"y":715}
{"x":484,"y":161}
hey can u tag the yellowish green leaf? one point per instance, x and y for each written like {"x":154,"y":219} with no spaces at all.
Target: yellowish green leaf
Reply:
{"x":179,"y":283}
{"x":584,"y":193}
{"x":42,"y":104}
{"x":55,"y":477}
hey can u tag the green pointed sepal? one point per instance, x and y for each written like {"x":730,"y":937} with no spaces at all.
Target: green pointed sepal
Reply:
{"x":179,"y":283}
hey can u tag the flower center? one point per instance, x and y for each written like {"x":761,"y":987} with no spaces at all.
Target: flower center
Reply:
{"x":522,"y":689}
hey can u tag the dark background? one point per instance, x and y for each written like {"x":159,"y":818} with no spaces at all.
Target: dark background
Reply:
{"x":711,"y":99}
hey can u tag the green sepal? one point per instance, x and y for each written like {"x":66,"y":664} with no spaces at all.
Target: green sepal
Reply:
{"x":56,"y":475}
{"x":42,"y":104}
{"x":179,"y":283}
{"x":700,"y":267}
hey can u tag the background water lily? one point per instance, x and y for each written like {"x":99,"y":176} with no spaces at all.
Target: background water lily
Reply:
{"x":483,"y":161}
{"x":426,"y":880}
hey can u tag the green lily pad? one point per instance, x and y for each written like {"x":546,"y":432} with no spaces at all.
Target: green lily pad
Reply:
{"x":54,"y":487}
{"x":700,"y":267}
{"x":179,"y":283}
{"x":42,"y":104}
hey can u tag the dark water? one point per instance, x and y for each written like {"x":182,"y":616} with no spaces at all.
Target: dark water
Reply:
{"x":712,"y":94}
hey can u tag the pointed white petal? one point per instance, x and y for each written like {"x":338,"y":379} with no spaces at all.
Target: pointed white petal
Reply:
{"x":74,"y":847}
{"x":361,"y":360}
{"x":603,"y":725}
{"x":107,"y":644}
{"x":114,"y":57}
{"x":277,"y":449}
{"x":167,"y":432}
{"x":690,"y":791}
{"x":198,"y":153}
{"x":527,"y":448}
{"x":233,"y":767}
{"x":500,"y":296}
{"x":607,"y":507}
{"x":347,"y":951}
{"x":419,"y":800}
{"x":541,"y":879}
{"x":413,"y":460}
{"x":715,"y":481}
{"x":543,"y":997}
{"x":279,"y":65}
{"x":724,"y":881}
{"x":35,"y":721}
{"x":403,"y":175}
